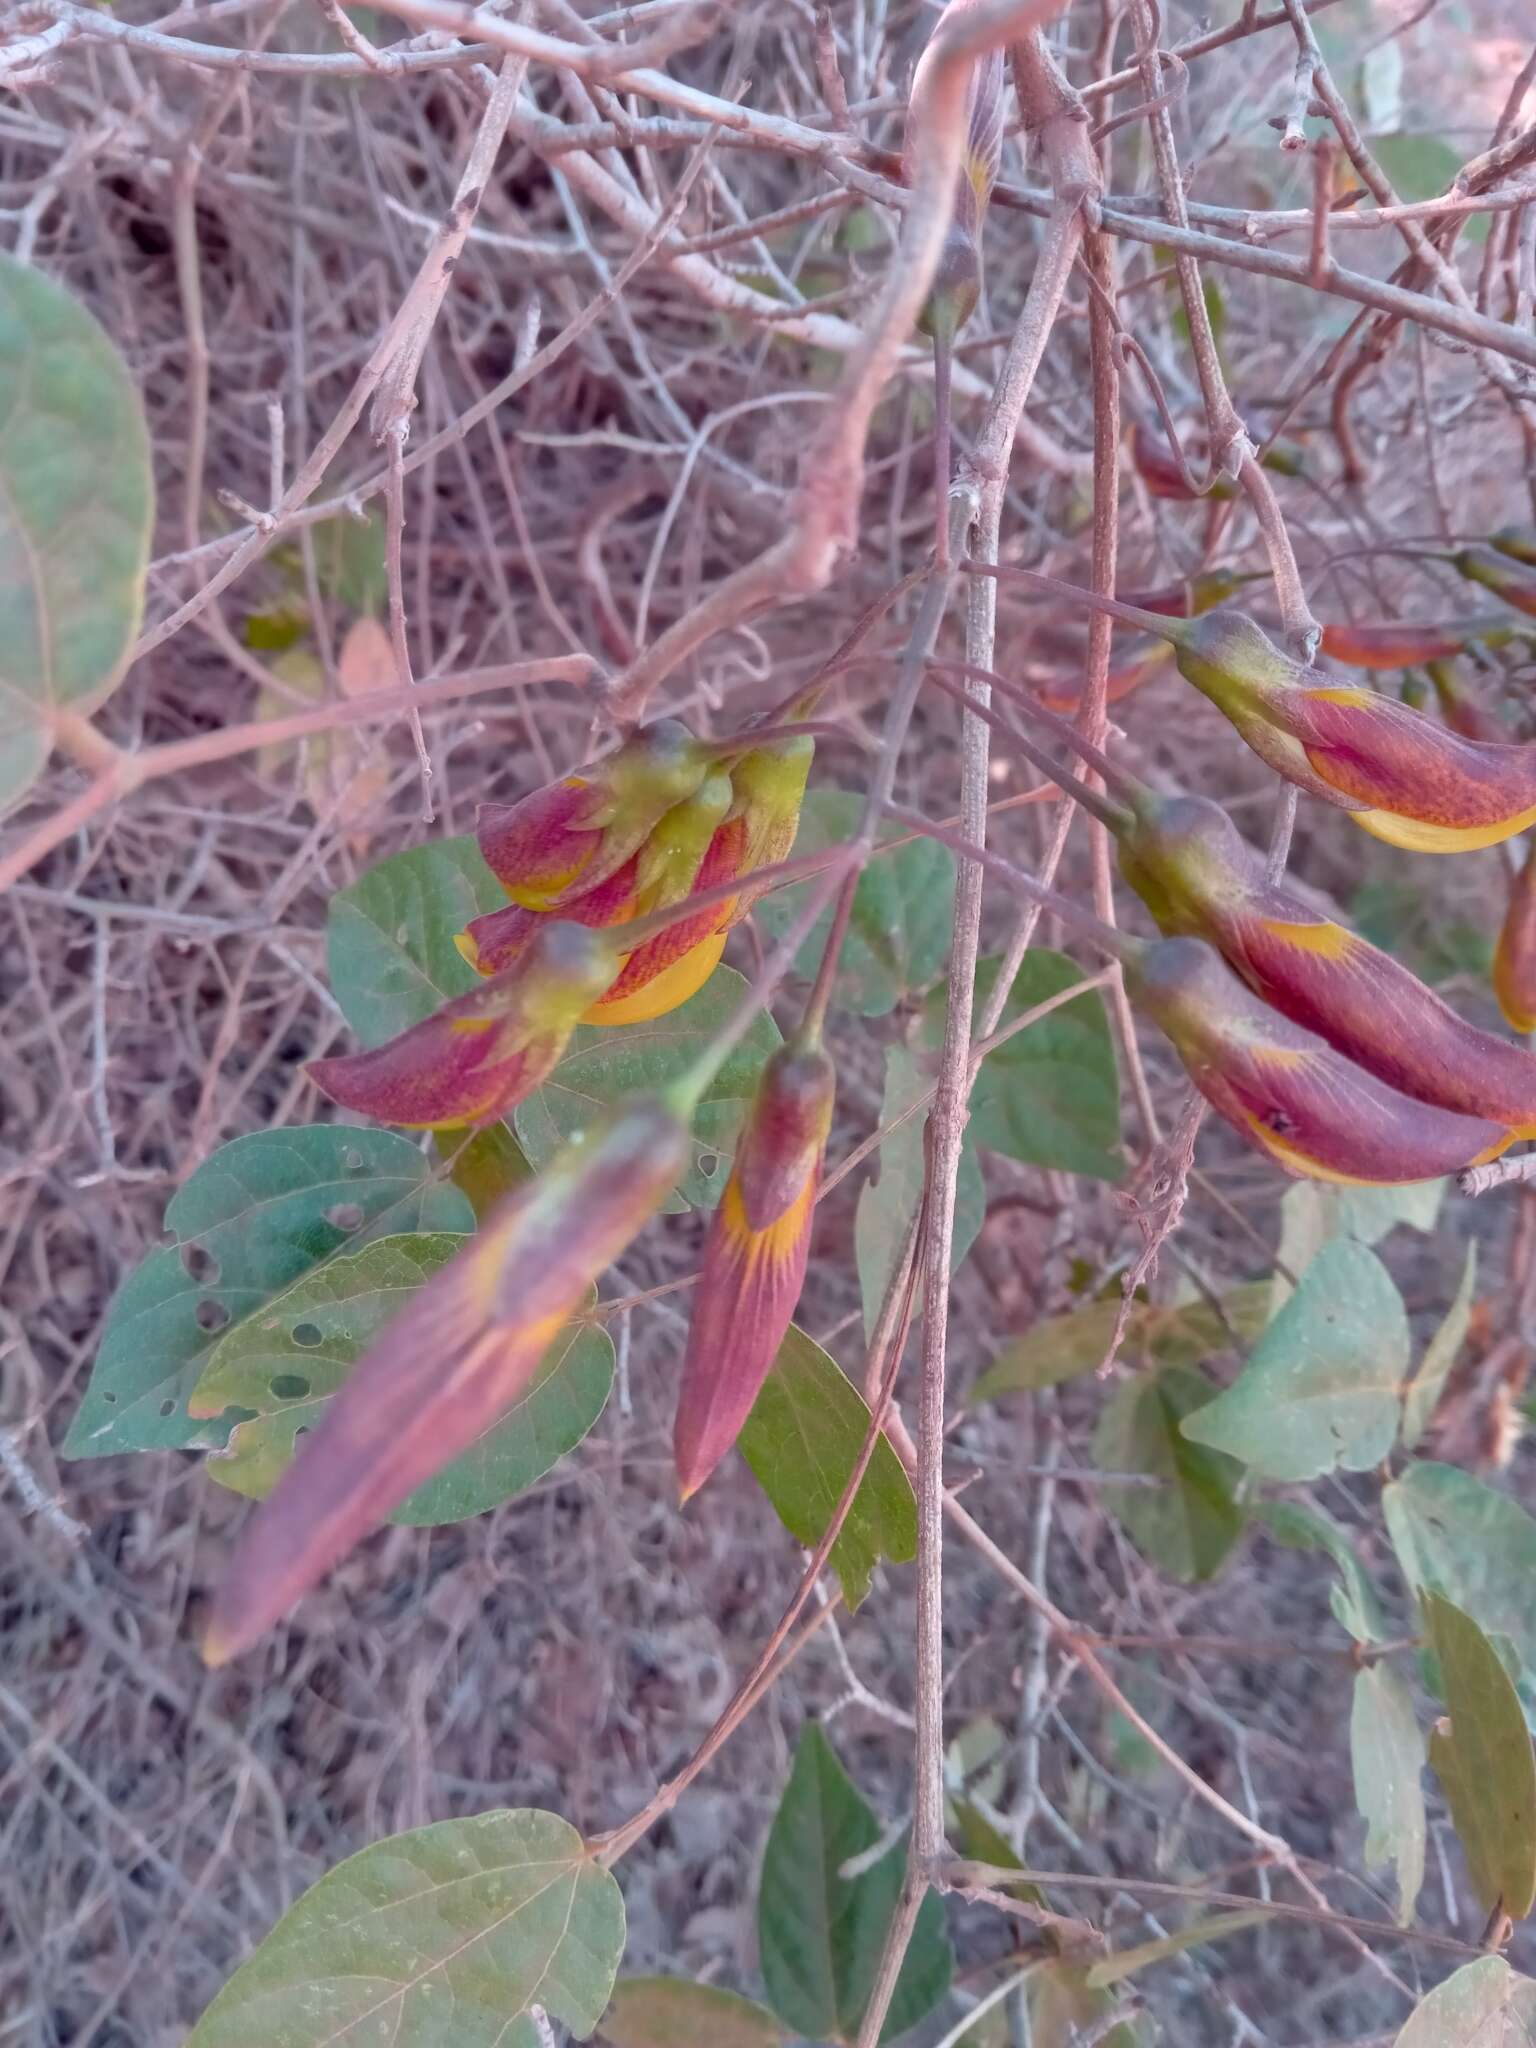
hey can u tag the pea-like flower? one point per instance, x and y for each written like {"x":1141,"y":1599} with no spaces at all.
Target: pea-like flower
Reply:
{"x":450,"y":1365}
{"x":1316,"y":1113}
{"x":474,"y":1059}
{"x":565,"y":839}
{"x":754,"y":1258}
{"x":1395,"y":644}
{"x":1514,"y":957}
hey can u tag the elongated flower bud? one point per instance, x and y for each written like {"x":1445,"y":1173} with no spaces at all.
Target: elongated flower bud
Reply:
{"x":1498,"y":572}
{"x":567,"y":838}
{"x":480,"y":1054}
{"x":1317,"y":1114}
{"x":754,"y":1259}
{"x":1518,"y":542}
{"x":1196,"y":874}
{"x":1121,"y":680}
{"x":1402,"y":776}
{"x":957,"y":281}
{"x":450,"y":1365}
{"x":1514,"y":958}
{"x":1394,"y":645}
{"x":1196,"y":594}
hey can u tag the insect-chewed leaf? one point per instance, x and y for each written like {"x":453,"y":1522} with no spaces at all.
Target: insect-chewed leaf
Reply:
{"x":76,"y":500}
{"x":449,"y":1365}
{"x":1483,"y":1758}
{"x":443,"y":1936}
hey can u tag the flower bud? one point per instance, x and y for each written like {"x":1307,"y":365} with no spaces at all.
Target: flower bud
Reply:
{"x":1392,"y":645}
{"x":754,"y":1258}
{"x":478,"y":1056}
{"x":1514,"y":958}
{"x":1317,"y":1114}
{"x":452,"y":1362}
{"x":1129,"y":675}
{"x":1196,"y":594}
{"x":1497,"y":572}
{"x":1518,"y":542}
{"x":957,"y":280}
{"x":567,"y":838}
{"x":1196,"y":874}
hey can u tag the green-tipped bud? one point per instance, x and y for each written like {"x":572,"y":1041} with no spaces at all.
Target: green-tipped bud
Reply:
{"x":1518,"y":542}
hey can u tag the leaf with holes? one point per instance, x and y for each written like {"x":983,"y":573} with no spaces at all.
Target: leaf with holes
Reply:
{"x":1353,"y":1599}
{"x":1428,"y":1383}
{"x":390,"y":938}
{"x":802,"y":1439}
{"x":669,"y":2012}
{"x":1482,"y":1756}
{"x":1182,"y":1333}
{"x":1323,"y":1387}
{"x":1189,"y":1521}
{"x":1051,"y":1095}
{"x":898,"y":935}
{"x":603,"y":1063}
{"x":820,"y":1933}
{"x":1461,"y":1538}
{"x":1485,"y":2004}
{"x":263,"y":1211}
{"x":450,"y":1936}
{"x":1387,"y":1755}
{"x":888,"y":1203}
{"x":283,"y":1364}
{"x":76,"y":501}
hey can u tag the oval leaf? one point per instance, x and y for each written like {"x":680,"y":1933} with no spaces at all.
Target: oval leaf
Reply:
{"x":1485,"y":2005}
{"x":263,"y":1211}
{"x":819,"y":1933}
{"x":445,"y":1937}
{"x":667,"y":2012}
{"x":76,"y":501}
{"x":603,"y":1063}
{"x":1483,"y":1758}
{"x":1387,"y":1753}
{"x":888,"y":1203}
{"x":1188,"y":1523}
{"x":1476,"y":1546}
{"x":1051,"y":1095}
{"x":898,"y":935}
{"x":1322,"y":1389}
{"x":390,"y":949}
{"x":1184,"y":1333}
{"x":801,"y":1441}
{"x":284,"y":1364}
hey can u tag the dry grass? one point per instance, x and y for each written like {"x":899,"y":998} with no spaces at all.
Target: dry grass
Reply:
{"x":164,"y":981}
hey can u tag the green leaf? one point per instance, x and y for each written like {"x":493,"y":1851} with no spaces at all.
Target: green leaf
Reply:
{"x":1478,"y":1547}
{"x":1484,"y":1760}
{"x":898,"y":936}
{"x":1484,"y":2005}
{"x":1381,"y":87}
{"x":350,"y":560}
{"x":286,"y":1385}
{"x":1423,"y":167}
{"x":1061,"y":1347}
{"x":1322,"y":1389}
{"x":668,"y":2012}
{"x":819,"y":1933}
{"x":263,"y":1211}
{"x":1187,"y":1525}
{"x":1387,"y":1754}
{"x":802,"y":1440}
{"x":1302,"y":1527}
{"x":76,"y":501}
{"x":1051,"y":1095}
{"x":445,"y":1937}
{"x":391,"y":953}
{"x":1126,"y":1962}
{"x":888,"y":1204}
{"x":1428,"y":1383}
{"x":603,"y":1063}
{"x":1312,"y":1215}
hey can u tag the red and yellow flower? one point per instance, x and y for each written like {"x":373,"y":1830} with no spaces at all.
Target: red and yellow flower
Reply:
{"x":1514,"y":957}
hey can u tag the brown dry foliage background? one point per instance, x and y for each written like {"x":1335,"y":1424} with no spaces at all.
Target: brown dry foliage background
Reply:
{"x":164,"y":981}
